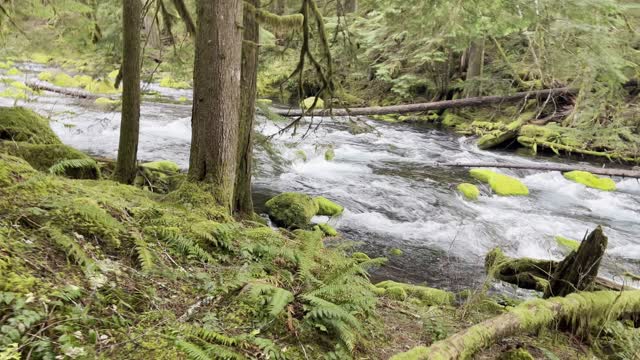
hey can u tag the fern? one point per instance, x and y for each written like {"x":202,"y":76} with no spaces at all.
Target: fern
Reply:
{"x":70,"y":247}
{"x":144,"y":255}
{"x":276,"y":298}
{"x":173,"y":236}
{"x":210,"y":336}
{"x":321,"y":309}
{"x":219,"y":235}
{"x":192,"y":350}
{"x":61,"y":167}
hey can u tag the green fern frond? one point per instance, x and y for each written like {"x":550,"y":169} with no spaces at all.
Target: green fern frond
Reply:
{"x":277,"y":298}
{"x":210,"y":336}
{"x":345,"y":333}
{"x":145,"y":257}
{"x":219,"y":352}
{"x":70,"y":247}
{"x":219,"y":235}
{"x":173,"y":236}
{"x":193,"y":351}
{"x":321,"y":309}
{"x":61,"y":167}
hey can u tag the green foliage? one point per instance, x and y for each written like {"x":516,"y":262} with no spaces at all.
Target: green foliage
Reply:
{"x":77,"y":168}
{"x":71,"y":247}
{"x":327,"y":207}
{"x":20,"y":124}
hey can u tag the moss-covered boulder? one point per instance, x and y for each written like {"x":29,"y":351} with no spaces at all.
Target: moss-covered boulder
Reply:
{"x":328,"y":229}
{"x":20,"y":124}
{"x":590,"y":180}
{"x":360,"y":257}
{"x":160,"y":176}
{"x":500,"y":184}
{"x":14,"y":170}
{"x":429,"y":296}
{"x":396,"y":293}
{"x":58,"y":159}
{"x":308,"y":103}
{"x":469,"y":191}
{"x":292,"y":210}
{"x":107,"y":104}
{"x":172,"y":83}
{"x":327,"y":207}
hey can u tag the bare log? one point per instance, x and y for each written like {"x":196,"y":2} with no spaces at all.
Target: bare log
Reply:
{"x":438,"y":105}
{"x":39,"y":85}
{"x":578,"y":309}
{"x":546,"y":167}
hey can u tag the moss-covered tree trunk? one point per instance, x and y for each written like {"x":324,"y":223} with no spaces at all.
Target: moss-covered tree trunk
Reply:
{"x":349,"y":6}
{"x":579,"y":270}
{"x":243,"y":202}
{"x":475,"y":67}
{"x":130,"y":120}
{"x":216,"y":97}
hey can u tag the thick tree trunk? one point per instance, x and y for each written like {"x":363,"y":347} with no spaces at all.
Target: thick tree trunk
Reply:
{"x":216,"y":97}
{"x":422,"y":107}
{"x":546,"y":167}
{"x":183,"y":11}
{"x":130,"y":120}
{"x":578,"y":271}
{"x":475,"y":66}
{"x":577,"y":309}
{"x":349,"y":6}
{"x":243,"y":202}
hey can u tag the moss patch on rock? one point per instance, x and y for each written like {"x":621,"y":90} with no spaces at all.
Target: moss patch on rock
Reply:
{"x":501,"y":184}
{"x":517,"y":354}
{"x":590,"y":180}
{"x":292,"y":210}
{"x":107,"y":104}
{"x":327,"y":207}
{"x":20,"y":124}
{"x":308,"y":103}
{"x":469,"y":191}
{"x":56,"y":158}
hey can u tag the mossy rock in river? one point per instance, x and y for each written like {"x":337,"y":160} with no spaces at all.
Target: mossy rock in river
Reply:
{"x":590,"y":180}
{"x":327,"y":207}
{"x":58,"y":159}
{"x":501,"y":184}
{"x":14,"y":170}
{"x":328,"y":229}
{"x":469,"y":191}
{"x":292,"y":210}
{"x":308,"y":103}
{"x":20,"y":124}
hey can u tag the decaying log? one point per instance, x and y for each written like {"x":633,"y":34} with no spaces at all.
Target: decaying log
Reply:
{"x":579,"y":269}
{"x":546,"y":167}
{"x":578,"y":309}
{"x":438,"y":105}
{"x":40,"y":85}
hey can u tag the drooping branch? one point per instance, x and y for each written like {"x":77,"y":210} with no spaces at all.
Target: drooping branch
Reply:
{"x":437,"y":105}
{"x":181,"y":7}
{"x":577,"y":309}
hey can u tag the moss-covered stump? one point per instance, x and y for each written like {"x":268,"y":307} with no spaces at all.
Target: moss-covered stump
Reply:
{"x":590,"y":180}
{"x":428,"y":296}
{"x":469,"y":191}
{"x":58,"y":159}
{"x":526,"y":273}
{"x":292,"y":210}
{"x":327,"y":207}
{"x":500,"y":184}
{"x":20,"y":124}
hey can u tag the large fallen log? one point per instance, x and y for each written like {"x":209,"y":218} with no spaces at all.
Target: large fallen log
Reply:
{"x":580,"y":310}
{"x":40,"y":85}
{"x":545,"y":167}
{"x":438,"y":105}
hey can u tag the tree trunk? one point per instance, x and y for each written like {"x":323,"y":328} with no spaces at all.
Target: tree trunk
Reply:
{"x":577,"y":309}
{"x":130,"y":121}
{"x":475,"y":66}
{"x":243,"y":202}
{"x":578,"y":271}
{"x":349,"y":6}
{"x":280,"y":7}
{"x":437,"y":105}
{"x":186,"y":17}
{"x":216,"y":97}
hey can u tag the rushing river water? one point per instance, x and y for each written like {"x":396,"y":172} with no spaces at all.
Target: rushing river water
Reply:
{"x":393,"y":199}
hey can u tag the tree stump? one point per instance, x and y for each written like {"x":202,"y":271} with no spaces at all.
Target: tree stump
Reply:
{"x":579,"y":269}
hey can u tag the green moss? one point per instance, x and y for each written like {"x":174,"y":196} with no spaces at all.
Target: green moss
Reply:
{"x":5,"y":65}
{"x":591,"y":180}
{"x":40,"y":58}
{"x":101,"y":87}
{"x":568,"y":244}
{"x":169,"y":82}
{"x":300,"y":154}
{"x":451,"y":120}
{"x":417,"y":353}
{"x":292,"y":210}
{"x":308,"y":102}
{"x":160,"y":176}
{"x":395,"y":252}
{"x":20,"y":124}
{"x":330,"y":154}
{"x":14,"y":72}
{"x":64,"y":80}
{"x":518,"y":354}
{"x":86,"y":216}
{"x":360,"y":257}
{"x":428,"y":296}
{"x":327,"y":207}
{"x":328,"y":229}
{"x":163,"y":165}
{"x":469,"y":191}
{"x":42,"y":156}
{"x":396,"y":293}
{"x":501,"y":184}
{"x":83,"y":80}
{"x":14,"y":170}
{"x":264,"y":101}
{"x":107,"y":104}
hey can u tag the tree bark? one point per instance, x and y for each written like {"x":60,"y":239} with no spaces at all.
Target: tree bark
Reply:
{"x":216,"y":97}
{"x":475,"y":66}
{"x":579,"y":269}
{"x":422,"y":107}
{"x":243,"y":202}
{"x":576,"y":309}
{"x":546,"y":167}
{"x":183,"y":11}
{"x":130,"y":118}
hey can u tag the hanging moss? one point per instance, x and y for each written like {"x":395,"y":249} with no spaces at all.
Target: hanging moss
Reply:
{"x":469,"y":191}
{"x":20,"y":124}
{"x":590,"y":180}
{"x":292,"y":210}
{"x":429,"y":296}
{"x":327,"y":207}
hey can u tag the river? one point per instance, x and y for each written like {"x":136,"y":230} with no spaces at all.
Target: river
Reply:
{"x":392,"y":198}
